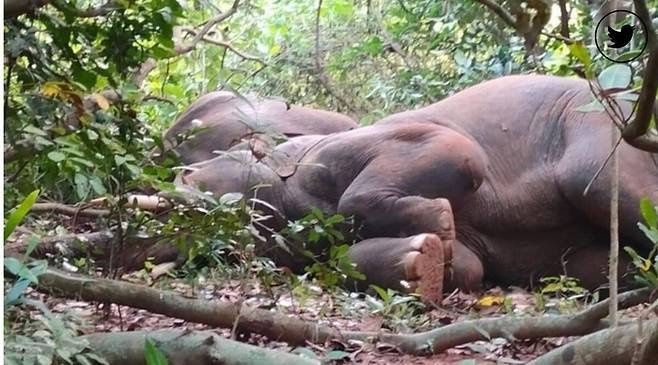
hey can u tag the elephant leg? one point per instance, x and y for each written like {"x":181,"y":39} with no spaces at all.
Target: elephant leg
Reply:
{"x":412,"y":189}
{"x":638,"y":179}
{"x":425,"y":262}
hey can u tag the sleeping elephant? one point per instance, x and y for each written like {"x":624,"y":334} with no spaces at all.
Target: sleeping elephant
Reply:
{"x":530,"y":217}
{"x":485,"y":184}
{"x":396,"y":181}
{"x":222,"y":119}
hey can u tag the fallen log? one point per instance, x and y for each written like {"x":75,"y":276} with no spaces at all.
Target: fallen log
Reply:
{"x":296,"y":331}
{"x":82,"y":211}
{"x":97,"y":245}
{"x":512,"y":328}
{"x":69,"y":245}
{"x":614,"y":346}
{"x":215,"y":313}
{"x":187,"y":347}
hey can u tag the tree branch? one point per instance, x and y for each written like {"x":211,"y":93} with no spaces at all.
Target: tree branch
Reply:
{"x":500,"y":11}
{"x":187,"y":347}
{"x":68,"y":210}
{"x":295,"y":331}
{"x":14,"y":8}
{"x":206,"y":28}
{"x":226,"y":45}
{"x":221,"y":314}
{"x":443,"y":338}
{"x":636,"y":133}
{"x":613,"y":346}
{"x":151,"y":63}
{"x":104,"y":9}
{"x":564,"y":20}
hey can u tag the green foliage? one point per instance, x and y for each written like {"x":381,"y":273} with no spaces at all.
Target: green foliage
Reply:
{"x":25,"y":273}
{"x":153,"y":355}
{"x":647,"y":267}
{"x":48,"y":339}
{"x":399,"y":311}
{"x":320,"y":239}
{"x":561,"y":286}
{"x":19,"y":213}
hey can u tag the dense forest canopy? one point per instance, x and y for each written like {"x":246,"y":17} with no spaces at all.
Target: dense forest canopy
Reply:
{"x":91,"y":86}
{"x":68,"y":63}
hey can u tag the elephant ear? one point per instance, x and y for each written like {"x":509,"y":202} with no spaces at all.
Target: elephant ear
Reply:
{"x":282,"y":164}
{"x":285,"y":161}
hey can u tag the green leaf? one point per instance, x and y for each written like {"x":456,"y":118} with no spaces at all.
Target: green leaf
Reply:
{"x":16,"y":291}
{"x":12,"y":265}
{"x":336,"y":355}
{"x":381,"y":292}
{"x":17,"y":215}
{"x":579,"y":51}
{"x":34,"y":130}
{"x":119,"y":160}
{"x":56,"y":156}
{"x":153,"y":355}
{"x":97,"y":185}
{"x":649,"y":213}
{"x":652,"y":234}
{"x":615,"y":77}
{"x":467,"y":362}
{"x":32,"y":243}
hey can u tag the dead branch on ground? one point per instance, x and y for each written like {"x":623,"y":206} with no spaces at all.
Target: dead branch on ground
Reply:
{"x":443,"y":338}
{"x":187,"y":347}
{"x":612,"y":346}
{"x":215,"y":313}
{"x":296,"y":331}
{"x":81,"y":211}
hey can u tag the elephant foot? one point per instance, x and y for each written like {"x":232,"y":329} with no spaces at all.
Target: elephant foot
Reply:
{"x":426,"y":265}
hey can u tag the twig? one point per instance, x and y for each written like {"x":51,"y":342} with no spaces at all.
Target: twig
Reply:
{"x":206,"y":28}
{"x":68,"y":210}
{"x":226,"y":45}
{"x":564,"y":20}
{"x":614,"y":227}
{"x":159,"y":98}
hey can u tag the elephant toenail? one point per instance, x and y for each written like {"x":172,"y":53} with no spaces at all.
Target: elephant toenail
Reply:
{"x":444,"y":220}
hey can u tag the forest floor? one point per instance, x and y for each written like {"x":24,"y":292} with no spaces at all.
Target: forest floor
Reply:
{"x":344,"y":311}
{"x":308,"y":300}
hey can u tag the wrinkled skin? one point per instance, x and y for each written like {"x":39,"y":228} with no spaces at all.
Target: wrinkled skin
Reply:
{"x":395,"y":180}
{"x":222,"y":119}
{"x":529,"y":217}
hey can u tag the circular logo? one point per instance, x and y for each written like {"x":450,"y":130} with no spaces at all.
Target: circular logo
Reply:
{"x":621,"y":36}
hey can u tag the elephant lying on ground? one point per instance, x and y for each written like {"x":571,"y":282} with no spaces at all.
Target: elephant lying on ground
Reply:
{"x":223,"y":119}
{"x":511,"y":157}
{"x":395,"y":180}
{"x":530,"y":217}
